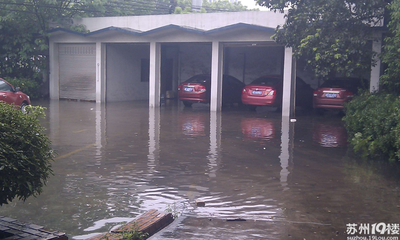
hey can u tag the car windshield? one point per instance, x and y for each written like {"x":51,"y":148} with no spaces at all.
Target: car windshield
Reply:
{"x":268,"y":81}
{"x":198,"y":79}
{"x":5,"y":87}
{"x":349,"y":84}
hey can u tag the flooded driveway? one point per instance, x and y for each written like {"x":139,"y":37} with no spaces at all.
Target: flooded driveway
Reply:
{"x":287,"y":180}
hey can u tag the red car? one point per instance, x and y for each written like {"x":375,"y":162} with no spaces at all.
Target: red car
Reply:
{"x":333,"y":93}
{"x":12,"y":95}
{"x":267,"y":91}
{"x":197,"y":90}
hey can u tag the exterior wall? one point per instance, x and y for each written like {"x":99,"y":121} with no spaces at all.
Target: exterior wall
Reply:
{"x":204,"y":21}
{"x":124,"y":72}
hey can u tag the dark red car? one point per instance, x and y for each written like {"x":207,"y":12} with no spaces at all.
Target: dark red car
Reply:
{"x":12,"y":95}
{"x":267,"y":91}
{"x":197,"y":90}
{"x":333,"y":93}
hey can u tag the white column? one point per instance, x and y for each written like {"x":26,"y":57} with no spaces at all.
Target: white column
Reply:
{"x":216,"y":76}
{"x":287,"y":82}
{"x":54,"y":79}
{"x":376,"y":70}
{"x":154,"y":79}
{"x":100,"y":70}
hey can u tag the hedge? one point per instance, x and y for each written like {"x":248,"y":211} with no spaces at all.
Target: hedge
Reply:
{"x":373,"y":125}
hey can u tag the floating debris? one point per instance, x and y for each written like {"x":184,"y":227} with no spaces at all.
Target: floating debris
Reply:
{"x":200,"y":203}
{"x":236,"y":220}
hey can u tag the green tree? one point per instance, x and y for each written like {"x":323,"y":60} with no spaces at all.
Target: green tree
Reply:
{"x":25,"y":153}
{"x":210,"y":7}
{"x":223,"y":6}
{"x":390,"y":81}
{"x":333,"y":35}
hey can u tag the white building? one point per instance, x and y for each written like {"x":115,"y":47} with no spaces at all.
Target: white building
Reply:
{"x":141,"y":57}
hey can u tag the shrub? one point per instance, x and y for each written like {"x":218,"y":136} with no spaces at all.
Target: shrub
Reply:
{"x":28,"y":86}
{"x":25,"y":153}
{"x":373,"y":124}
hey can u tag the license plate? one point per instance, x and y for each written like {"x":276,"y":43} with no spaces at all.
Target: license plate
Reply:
{"x":330,"y":95}
{"x":257,"y":92}
{"x":188,"y":89}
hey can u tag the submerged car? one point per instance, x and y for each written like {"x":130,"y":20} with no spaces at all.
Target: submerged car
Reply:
{"x":267,"y":91}
{"x":12,"y":95}
{"x":333,"y":93}
{"x":197,"y":90}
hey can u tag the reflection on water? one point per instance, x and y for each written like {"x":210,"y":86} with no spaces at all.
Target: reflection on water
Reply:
{"x":215,"y":143}
{"x":287,"y":135}
{"x":258,"y":128}
{"x":330,"y":134}
{"x":119,"y":160}
{"x":154,"y":138}
{"x":193,"y":123}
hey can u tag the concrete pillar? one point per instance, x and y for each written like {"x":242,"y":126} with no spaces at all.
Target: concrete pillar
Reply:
{"x":100,"y":72}
{"x":54,"y":79}
{"x":154,"y":75}
{"x":287,"y":106}
{"x":376,"y":70}
{"x":216,"y":76}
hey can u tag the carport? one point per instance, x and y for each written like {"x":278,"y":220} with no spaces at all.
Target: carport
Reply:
{"x":126,"y":47}
{"x":141,"y":57}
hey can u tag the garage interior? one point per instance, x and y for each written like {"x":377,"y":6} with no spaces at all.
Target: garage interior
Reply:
{"x":127,"y":66}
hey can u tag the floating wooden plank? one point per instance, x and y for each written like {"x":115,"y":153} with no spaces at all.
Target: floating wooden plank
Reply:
{"x":148,"y":223}
{"x":13,"y":229}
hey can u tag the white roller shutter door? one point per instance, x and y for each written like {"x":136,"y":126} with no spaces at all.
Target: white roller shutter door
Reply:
{"x":77,"y":71}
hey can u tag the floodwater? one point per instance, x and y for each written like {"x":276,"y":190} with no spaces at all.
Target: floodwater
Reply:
{"x":283,"y":179}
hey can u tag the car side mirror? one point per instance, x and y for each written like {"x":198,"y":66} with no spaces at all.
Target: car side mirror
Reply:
{"x":17,"y":89}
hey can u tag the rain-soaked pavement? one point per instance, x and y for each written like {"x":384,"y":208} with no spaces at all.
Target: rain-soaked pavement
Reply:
{"x":288,"y":180}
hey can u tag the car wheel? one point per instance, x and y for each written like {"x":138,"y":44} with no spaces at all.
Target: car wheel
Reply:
{"x":23,"y":107}
{"x":252,"y":107}
{"x":187,"y":104}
